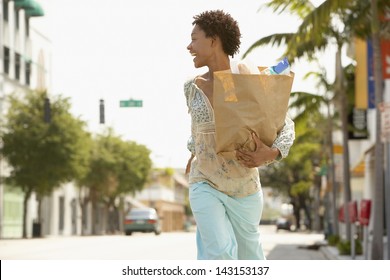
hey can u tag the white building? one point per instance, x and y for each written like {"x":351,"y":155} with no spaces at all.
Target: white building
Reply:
{"x":25,"y":60}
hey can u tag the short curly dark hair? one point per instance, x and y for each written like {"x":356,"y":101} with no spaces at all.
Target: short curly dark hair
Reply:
{"x":220,"y":24}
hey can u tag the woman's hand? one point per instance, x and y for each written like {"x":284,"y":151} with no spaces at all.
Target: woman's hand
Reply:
{"x":188,"y":167}
{"x":261,"y":155}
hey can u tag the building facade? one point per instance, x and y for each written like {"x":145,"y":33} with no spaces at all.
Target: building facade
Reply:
{"x":24,"y":65}
{"x":362,"y":149}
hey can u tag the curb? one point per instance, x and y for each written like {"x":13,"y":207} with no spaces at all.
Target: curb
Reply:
{"x":332,"y":253}
{"x":329,"y":252}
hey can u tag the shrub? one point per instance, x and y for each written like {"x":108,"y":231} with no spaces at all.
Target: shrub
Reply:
{"x":333,"y":240}
{"x":344,"y":247}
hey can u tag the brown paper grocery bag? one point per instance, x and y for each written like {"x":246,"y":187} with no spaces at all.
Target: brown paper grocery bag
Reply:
{"x":248,"y":102}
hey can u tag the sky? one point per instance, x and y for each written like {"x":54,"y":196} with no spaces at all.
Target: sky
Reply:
{"x":121,"y":49}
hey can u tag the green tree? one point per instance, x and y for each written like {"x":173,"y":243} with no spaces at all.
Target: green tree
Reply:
{"x":305,"y":104}
{"x":322,"y":102}
{"x":43,"y":155}
{"x":117,"y":167}
{"x":295,"y":175}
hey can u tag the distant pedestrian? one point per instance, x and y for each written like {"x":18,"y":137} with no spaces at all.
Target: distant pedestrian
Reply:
{"x":225,"y":195}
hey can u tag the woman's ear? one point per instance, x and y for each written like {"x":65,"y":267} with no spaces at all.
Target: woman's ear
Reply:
{"x":215,"y":41}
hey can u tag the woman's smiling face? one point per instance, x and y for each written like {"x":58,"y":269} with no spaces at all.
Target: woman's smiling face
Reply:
{"x":200,"y":47}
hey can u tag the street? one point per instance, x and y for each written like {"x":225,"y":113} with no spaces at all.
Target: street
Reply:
{"x":280,"y":245}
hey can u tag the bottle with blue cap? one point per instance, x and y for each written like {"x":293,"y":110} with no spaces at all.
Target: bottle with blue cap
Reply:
{"x":283,"y":67}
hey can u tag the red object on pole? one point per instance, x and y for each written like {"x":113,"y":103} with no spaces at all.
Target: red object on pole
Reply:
{"x":353,"y":212}
{"x":365,"y":211}
{"x":341,"y":214}
{"x":385,"y":50}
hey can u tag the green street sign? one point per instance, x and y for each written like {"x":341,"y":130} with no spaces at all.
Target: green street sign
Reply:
{"x":130,"y":103}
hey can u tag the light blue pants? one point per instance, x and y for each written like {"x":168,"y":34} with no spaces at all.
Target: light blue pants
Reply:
{"x":227,"y":227}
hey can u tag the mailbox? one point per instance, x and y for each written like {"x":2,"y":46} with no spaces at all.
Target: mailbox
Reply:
{"x":353,"y":212}
{"x":365,"y":211}
{"x":341,"y":214}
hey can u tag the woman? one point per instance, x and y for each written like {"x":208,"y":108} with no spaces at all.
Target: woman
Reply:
{"x":225,"y":195}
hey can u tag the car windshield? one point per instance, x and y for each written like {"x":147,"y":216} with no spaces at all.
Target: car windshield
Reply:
{"x":141,"y":213}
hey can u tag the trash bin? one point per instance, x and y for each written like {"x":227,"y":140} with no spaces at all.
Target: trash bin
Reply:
{"x":36,"y":232}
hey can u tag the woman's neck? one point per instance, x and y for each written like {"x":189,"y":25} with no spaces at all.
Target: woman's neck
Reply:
{"x":219,"y":64}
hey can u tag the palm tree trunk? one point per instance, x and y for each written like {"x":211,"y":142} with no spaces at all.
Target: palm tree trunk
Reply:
{"x":378,"y":205}
{"x":341,"y":92}
{"x":335,"y":224}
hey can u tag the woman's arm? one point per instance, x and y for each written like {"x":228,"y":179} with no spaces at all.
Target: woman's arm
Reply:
{"x":285,"y":138}
{"x":264,"y":154}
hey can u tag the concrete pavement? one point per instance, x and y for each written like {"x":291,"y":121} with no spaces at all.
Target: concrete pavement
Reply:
{"x":281,"y":245}
{"x":291,"y":245}
{"x":296,"y":252}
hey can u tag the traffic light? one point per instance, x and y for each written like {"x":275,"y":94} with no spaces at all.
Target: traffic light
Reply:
{"x":101,"y":111}
{"x":47,"y":111}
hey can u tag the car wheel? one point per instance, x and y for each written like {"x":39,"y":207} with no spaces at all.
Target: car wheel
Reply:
{"x":157,"y":232}
{"x":128,"y":232}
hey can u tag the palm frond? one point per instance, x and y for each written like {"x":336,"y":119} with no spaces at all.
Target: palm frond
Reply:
{"x":298,"y":47}
{"x":274,"y":39}
{"x":305,"y":99}
{"x":306,"y":104}
{"x":318,"y":24}
{"x":300,"y":7}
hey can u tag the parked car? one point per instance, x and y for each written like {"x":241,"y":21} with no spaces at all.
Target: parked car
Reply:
{"x":283,"y":223}
{"x":142,"y":220}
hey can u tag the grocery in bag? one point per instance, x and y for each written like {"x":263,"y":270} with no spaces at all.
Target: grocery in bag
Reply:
{"x":246,"y":103}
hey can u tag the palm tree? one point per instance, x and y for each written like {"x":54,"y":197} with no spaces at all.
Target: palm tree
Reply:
{"x":308,"y":103}
{"x":294,"y":176}
{"x":318,"y":30}
{"x":334,"y":22}
{"x":377,"y":245}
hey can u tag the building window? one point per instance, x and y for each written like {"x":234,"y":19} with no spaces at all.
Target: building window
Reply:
{"x":18,"y":60}
{"x":6,"y":60}
{"x":28,"y":72}
{"x":5,"y":10}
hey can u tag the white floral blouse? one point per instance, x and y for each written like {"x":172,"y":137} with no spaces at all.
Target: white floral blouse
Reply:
{"x":226,"y":175}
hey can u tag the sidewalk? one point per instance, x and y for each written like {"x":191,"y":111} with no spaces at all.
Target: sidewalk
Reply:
{"x":312,"y":247}
{"x":299,"y":245}
{"x":317,"y":251}
{"x":296,"y":252}
{"x":332,"y":253}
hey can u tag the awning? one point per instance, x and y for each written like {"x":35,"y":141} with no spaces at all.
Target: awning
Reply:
{"x":31,"y":7}
{"x":24,"y":4}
